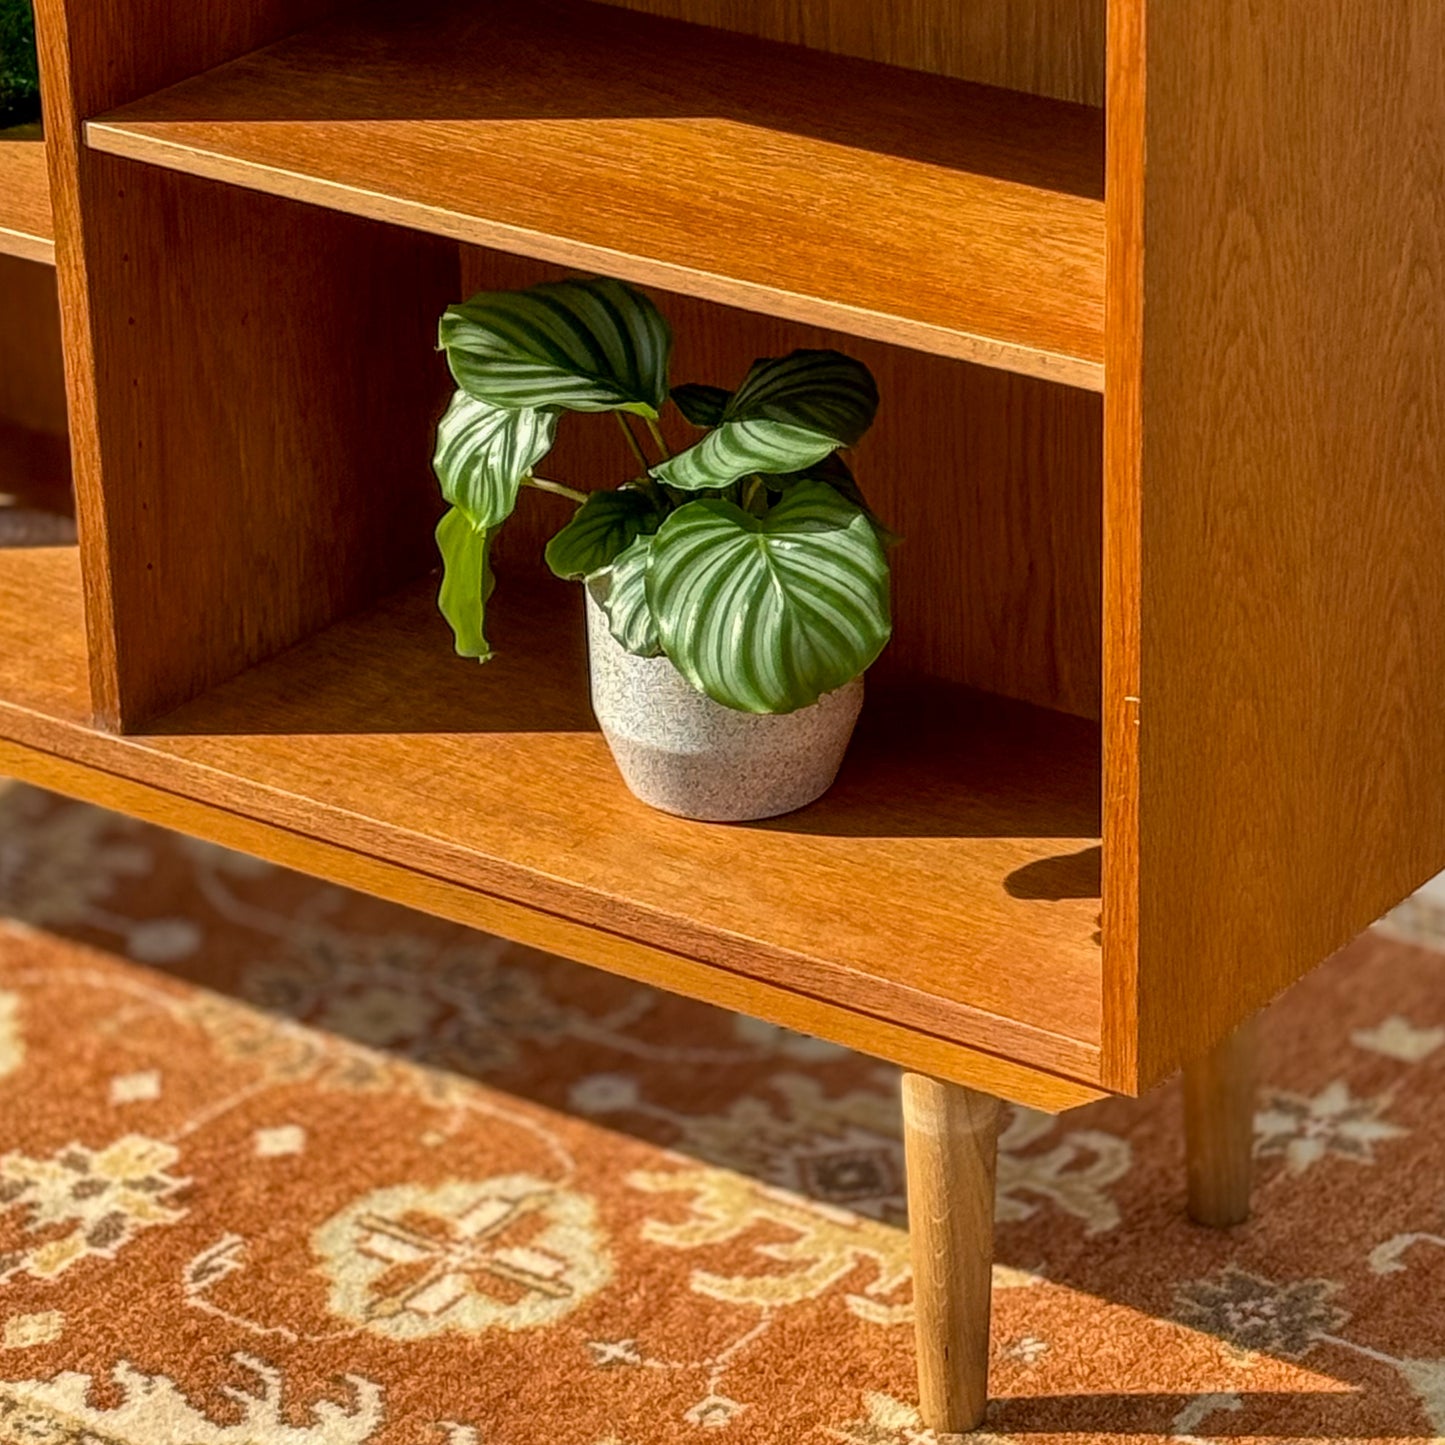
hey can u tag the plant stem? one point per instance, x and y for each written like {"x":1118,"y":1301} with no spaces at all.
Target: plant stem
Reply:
{"x":656,"y":431}
{"x":543,"y":485}
{"x":632,"y":441}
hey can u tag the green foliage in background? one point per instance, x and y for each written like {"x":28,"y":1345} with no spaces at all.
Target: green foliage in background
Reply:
{"x":19,"y":78}
{"x":750,"y":558}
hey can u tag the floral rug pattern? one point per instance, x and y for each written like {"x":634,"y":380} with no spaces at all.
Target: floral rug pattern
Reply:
{"x":282,"y":1165}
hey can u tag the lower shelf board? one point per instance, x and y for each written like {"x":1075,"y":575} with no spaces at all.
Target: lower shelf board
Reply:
{"x":949,"y":885}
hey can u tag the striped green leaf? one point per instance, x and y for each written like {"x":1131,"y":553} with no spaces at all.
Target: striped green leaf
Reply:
{"x":788,"y":415}
{"x":839,"y":475}
{"x":483,"y":452}
{"x":738,"y":449}
{"x":828,"y":392}
{"x":467,"y":580}
{"x":623,"y":597}
{"x":581,"y":345}
{"x":604,"y":525}
{"x":766,"y":614}
{"x":701,"y":405}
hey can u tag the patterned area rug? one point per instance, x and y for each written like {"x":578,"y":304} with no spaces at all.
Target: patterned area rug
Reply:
{"x":280,"y":1165}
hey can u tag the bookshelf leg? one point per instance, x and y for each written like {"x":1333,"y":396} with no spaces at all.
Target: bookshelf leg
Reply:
{"x":951,"y":1137}
{"x":1219,"y":1129}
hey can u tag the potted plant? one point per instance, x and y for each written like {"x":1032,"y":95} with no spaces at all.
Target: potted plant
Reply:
{"x":736,"y":591}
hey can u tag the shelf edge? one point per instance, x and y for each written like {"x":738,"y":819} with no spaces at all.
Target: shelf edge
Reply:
{"x":24,"y":246}
{"x":131,"y":143}
{"x":26,"y":229}
{"x":1021,"y":1083}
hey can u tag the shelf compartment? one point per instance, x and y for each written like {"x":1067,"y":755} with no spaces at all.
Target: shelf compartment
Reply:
{"x":948,"y":885}
{"x":910,"y":208}
{"x":25,"y":222}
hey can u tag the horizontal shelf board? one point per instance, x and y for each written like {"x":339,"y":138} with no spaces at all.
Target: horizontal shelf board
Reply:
{"x":25,"y":222}
{"x":910,"y":208}
{"x":949,"y":884}
{"x":923,"y":1053}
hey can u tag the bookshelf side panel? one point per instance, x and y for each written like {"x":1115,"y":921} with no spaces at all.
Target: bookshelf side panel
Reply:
{"x":1292,"y":457}
{"x":92,"y":58}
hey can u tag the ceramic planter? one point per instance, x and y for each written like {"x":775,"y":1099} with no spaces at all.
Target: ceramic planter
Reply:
{"x":686,"y":754}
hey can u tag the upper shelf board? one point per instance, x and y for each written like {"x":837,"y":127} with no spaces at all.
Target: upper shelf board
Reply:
{"x":25,"y":225}
{"x":914,"y":209}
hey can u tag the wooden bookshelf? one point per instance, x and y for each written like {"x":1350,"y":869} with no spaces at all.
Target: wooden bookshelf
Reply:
{"x":25,"y":222}
{"x":296,"y":155}
{"x":739,"y":170}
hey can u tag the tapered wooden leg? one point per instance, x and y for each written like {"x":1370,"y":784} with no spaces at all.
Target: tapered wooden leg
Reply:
{"x":951,"y":1137}
{"x":1219,"y":1129}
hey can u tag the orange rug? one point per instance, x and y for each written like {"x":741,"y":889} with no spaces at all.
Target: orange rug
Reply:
{"x":280,"y":1165}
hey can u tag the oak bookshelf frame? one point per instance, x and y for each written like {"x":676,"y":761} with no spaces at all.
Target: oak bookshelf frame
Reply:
{"x":1173,"y":575}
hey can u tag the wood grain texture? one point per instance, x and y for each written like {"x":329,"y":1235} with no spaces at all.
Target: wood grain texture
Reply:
{"x":925,"y":212}
{"x":1292,"y":457}
{"x":34,"y":453}
{"x":1219,"y":1098}
{"x":91,"y":59}
{"x":1122,"y":514}
{"x":25,"y":225}
{"x":950,"y":1135}
{"x":993,"y":481}
{"x":43,"y":675}
{"x":948,"y":884}
{"x":1001,"y":1077}
{"x":265,"y":464}
{"x":1047,"y":47}
{"x":32,"y":372}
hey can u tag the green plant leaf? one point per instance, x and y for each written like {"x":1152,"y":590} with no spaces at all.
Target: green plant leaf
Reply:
{"x":766,"y":614}
{"x":829,"y":393}
{"x":581,"y":345}
{"x":701,"y":405}
{"x":739,"y":448}
{"x":483,"y":452}
{"x":788,"y":415}
{"x":624,"y":600}
{"x":467,"y":580}
{"x":833,"y":470}
{"x":604,"y":525}
{"x":839,"y":475}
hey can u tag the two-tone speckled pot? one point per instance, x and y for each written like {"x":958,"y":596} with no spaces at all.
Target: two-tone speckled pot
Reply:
{"x":684,"y":753}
